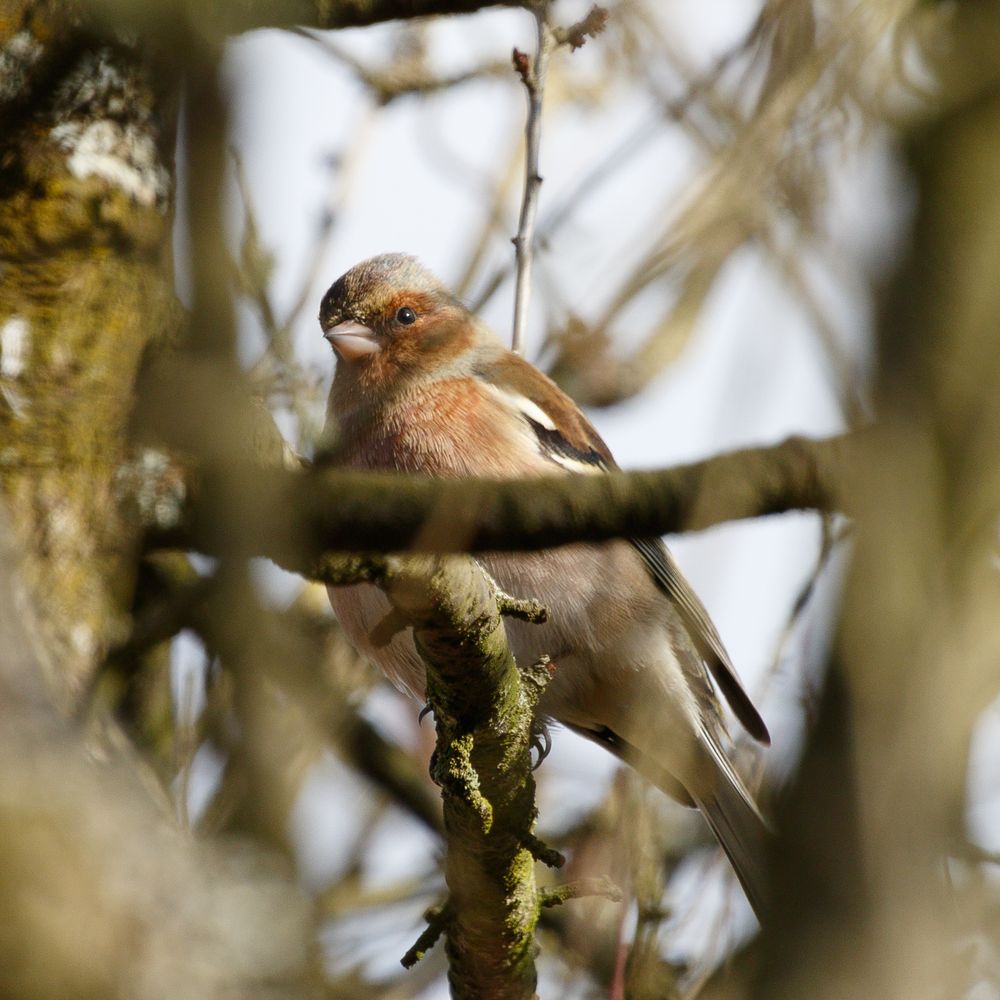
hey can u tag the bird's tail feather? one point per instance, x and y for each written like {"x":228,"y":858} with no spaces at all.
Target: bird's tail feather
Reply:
{"x":739,"y":828}
{"x":723,"y":799}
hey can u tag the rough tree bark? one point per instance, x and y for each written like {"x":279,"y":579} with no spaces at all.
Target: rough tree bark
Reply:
{"x":484,"y":718}
{"x":86,"y":148}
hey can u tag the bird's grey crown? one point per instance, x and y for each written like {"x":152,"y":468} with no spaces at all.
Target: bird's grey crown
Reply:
{"x":386,"y":273}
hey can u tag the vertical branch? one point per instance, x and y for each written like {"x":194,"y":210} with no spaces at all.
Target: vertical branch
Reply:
{"x":533,"y":77}
{"x":864,"y":909}
{"x":484,"y":707}
{"x":212,"y":329}
{"x":195,"y":400}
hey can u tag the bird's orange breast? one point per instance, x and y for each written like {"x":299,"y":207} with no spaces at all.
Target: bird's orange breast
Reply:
{"x":451,"y":428}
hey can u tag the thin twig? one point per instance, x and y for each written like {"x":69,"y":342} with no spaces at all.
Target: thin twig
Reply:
{"x":493,"y":223}
{"x":675,"y":109}
{"x":277,"y":369}
{"x":579,"y":888}
{"x":525,"y":609}
{"x":833,"y":534}
{"x":278,"y":372}
{"x":185,"y":748}
{"x":533,"y":77}
{"x":401,"y":77}
{"x":437,"y":918}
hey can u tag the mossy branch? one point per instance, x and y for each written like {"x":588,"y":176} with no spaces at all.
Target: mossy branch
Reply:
{"x":437,"y":918}
{"x":580,"y":888}
{"x":484,"y":713}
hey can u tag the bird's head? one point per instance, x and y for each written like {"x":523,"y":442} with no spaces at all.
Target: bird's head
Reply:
{"x":389,"y":316}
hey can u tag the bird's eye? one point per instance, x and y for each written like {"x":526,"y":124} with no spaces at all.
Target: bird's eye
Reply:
{"x":406,"y":316}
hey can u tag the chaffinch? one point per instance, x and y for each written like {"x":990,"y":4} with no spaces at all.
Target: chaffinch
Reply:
{"x":423,"y":386}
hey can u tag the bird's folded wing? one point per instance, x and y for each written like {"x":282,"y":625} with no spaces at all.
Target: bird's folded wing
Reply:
{"x":566,"y":438}
{"x":671,"y":581}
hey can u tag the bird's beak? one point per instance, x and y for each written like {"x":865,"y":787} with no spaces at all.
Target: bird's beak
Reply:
{"x":352,"y":340}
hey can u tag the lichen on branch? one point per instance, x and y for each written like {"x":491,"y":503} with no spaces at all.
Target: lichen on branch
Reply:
{"x":85,"y":288}
{"x":484,"y":712}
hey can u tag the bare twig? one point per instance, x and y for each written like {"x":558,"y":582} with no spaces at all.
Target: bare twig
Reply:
{"x":401,"y":78}
{"x":437,"y":918}
{"x":533,"y":77}
{"x":842,"y":369}
{"x":579,"y":888}
{"x":493,"y":223}
{"x":525,"y":609}
{"x":832,"y":535}
{"x":676,"y":109}
{"x":277,"y":370}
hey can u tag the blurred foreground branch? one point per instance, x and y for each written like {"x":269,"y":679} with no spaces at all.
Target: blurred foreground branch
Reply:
{"x":374,"y":512}
{"x":865,"y":904}
{"x":91,"y":857}
{"x":251,"y":14}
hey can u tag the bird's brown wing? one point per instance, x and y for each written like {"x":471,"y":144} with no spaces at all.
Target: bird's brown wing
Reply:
{"x":565,"y":436}
{"x":569,"y":440}
{"x":668,"y":577}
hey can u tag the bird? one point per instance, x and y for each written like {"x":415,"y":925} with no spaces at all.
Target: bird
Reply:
{"x":423,"y":386}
